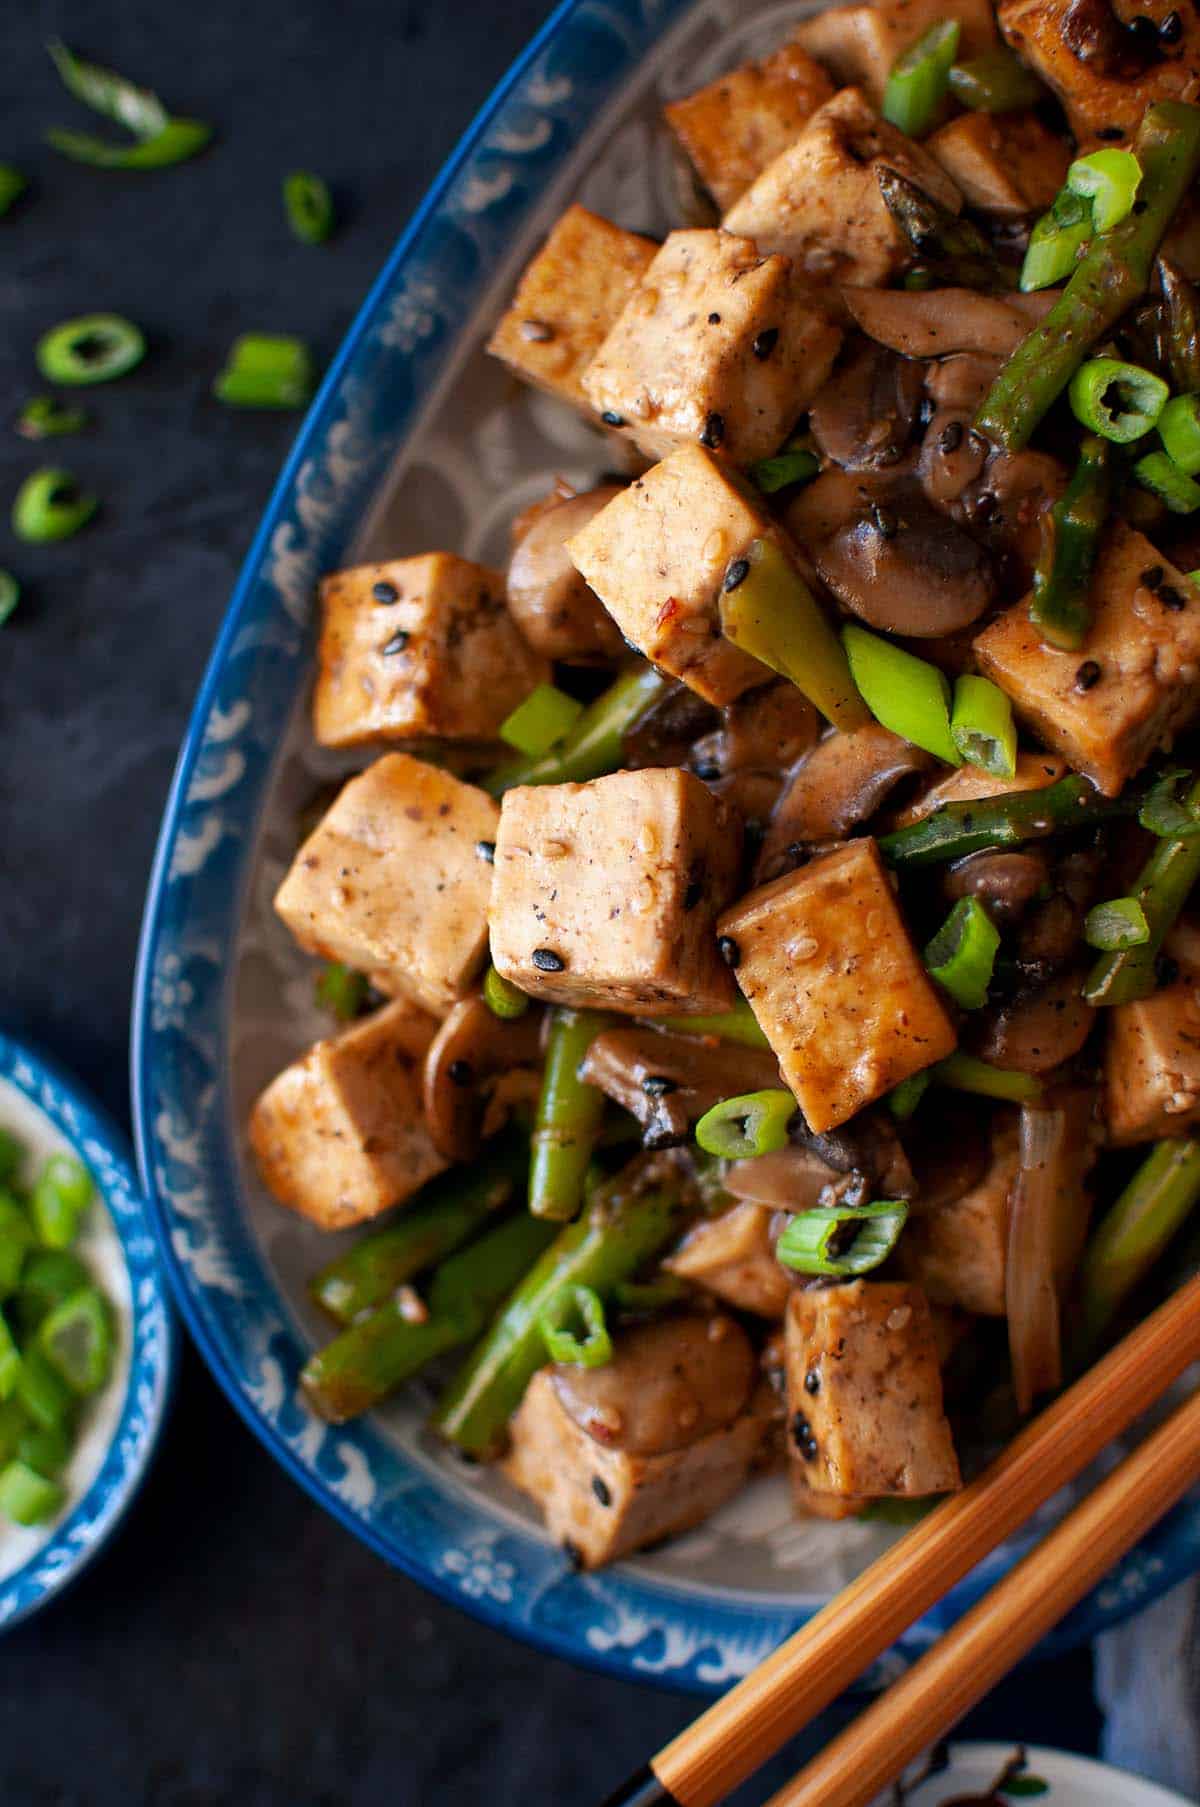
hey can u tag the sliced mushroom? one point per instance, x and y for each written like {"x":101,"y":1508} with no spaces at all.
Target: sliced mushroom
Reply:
{"x":766,"y":730}
{"x":669,"y":1383}
{"x":961,"y":382}
{"x":554,"y":608}
{"x":843,"y":781}
{"x":666,"y":733}
{"x":668,"y":1081}
{"x":870,"y":1145}
{"x":866,"y":415}
{"x":953,"y":456}
{"x":937,"y":322}
{"x":902,"y":565}
{"x":1006,"y":883}
{"x":949,"y":1150}
{"x":1037,"y":1030}
{"x":793,"y":1179}
{"x":471,"y":1056}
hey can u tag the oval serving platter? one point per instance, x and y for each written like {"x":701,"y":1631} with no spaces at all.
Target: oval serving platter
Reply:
{"x":418,"y":440}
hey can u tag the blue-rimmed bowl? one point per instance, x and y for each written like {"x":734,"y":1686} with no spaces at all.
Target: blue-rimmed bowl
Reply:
{"x":42,"y":1106}
{"x":417,"y":440}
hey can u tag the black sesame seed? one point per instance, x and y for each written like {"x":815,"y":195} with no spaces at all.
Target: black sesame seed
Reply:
{"x":1170,"y":29}
{"x":657,"y":1085}
{"x":714,"y":431}
{"x":714,"y":319}
{"x":884,"y":520}
{"x":729,"y":950}
{"x":812,"y":1381}
{"x":951,"y":436}
{"x":396,"y":644}
{"x":486,"y":851}
{"x":737,"y":574}
{"x":612,"y":420}
{"x":766,"y":342}
{"x":1087,"y":675}
{"x":601,"y":1490}
{"x":708,"y":770}
{"x":1166,"y":970}
{"x":461,"y":1072}
{"x":692,"y":895}
{"x":802,"y":1437}
{"x":385,"y":592}
{"x":1170,"y":598}
{"x":1151,"y":577}
{"x":547,"y":961}
{"x":1111,"y":134}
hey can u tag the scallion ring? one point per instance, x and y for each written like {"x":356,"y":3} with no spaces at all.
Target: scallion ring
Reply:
{"x":581,"y":1304}
{"x":45,"y":417}
{"x":503,"y":998}
{"x":1109,"y":179}
{"x":309,"y":206}
{"x":982,"y":726}
{"x":12,"y":186}
{"x":751,"y":1124}
{"x":95,"y":348}
{"x":920,"y":77}
{"x":840,"y":1240}
{"x":10,"y":595}
{"x":1159,"y":473}
{"x":545,"y":717}
{"x":51,"y":506}
{"x":266,"y":370}
{"x":1165,"y":813}
{"x":159,"y":139}
{"x":1179,"y":430}
{"x":906,"y":694}
{"x":1118,"y":401}
{"x":1056,"y":242}
{"x":963,"y":952}
{"x":1116,"y":923}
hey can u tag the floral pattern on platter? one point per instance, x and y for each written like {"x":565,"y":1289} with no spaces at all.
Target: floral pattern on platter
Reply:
{"x":224,"y":999}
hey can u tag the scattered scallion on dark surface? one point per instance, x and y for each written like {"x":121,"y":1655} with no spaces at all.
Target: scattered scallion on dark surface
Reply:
{"x":841,"y":1240}
{"x":752,"y":1124}
{"x":94,"y":348}
{"x":45,"y":417}
{"x":51,"y":506}
{"x":13,"y":185}
{"x":309,"y":207}
{"x":265,"y":370}
{"x":10,"y":595}
{"x":963,"y":952}
{"x":159,"y":139}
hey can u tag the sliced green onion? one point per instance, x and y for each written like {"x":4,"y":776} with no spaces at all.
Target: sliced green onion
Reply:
{"x":50,"y":506}
{"x":94,"y":348}
{"x":27,"y":1497}
{"x":737,"y":1025}
{"x":965,"y":1073}
{"x":1165,"y":813}
{"x":1179,"y":430}
{"x":266,"y":371}
{"x":12,"y":186}
{"x":48,"y":1277}
{"x":963,"y":952}
{"x":10,"y":595}
{"x":1117,"y":400}
{"x":46,"y":1448}
{"x":16,"y":1240}
{"x":159,"y":138}
{"x":583,"y":1305}
{"x":178,"y":140}
{"x":840,"y":1240}
{"x":996,"y":82}
{"x":77,"y":1340}
{"x":12,"y":1156}
{"x":982,"y":726}
{"x":904,"y":1098}
{"x":13,"y":1424}
{"x":1119,"y":922}
{"x":309,"y":206}
{"x":342,"y":990}
{"x":795,"y":464}
{"x":61,"y":1194}
{"x":545,"y":717}
{"x":772,"y":614}
{"x":906,"y":694}
{"x":920,"y":77}
{"x":10,"y":1360}
{"x":502,"y":997}
{"x":1109,"y":179}
{"x":1163,"y":478}
{"x":1055,"y":243}
{"x":45,"y":417}
{"x":752,"y":1123}
{"x":42,"y":1390}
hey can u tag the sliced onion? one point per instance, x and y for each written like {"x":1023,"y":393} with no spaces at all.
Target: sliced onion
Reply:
{"x":1031,"y":1295}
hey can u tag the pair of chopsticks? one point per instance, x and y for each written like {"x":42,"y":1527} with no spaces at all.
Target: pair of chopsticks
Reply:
{"x":738,"y":1733}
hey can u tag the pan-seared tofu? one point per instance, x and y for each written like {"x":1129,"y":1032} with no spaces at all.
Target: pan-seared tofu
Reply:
{"x":841,"y":993}
{"x":865,"y":1391}
{"x":819,"y":201}
{"x":394,"y":880}
{"x":1105,"y":88}
{"x":733,"y":1256}
{"x":859,"y":44}
{"x":1005,"y":164}
{"x":658,"y":556}
{"x":606,"y":893}
{"x":732,"y":128}
{"x":418,"y":647}
{"x":340,"y":1135}
{"x":1152,"y":1064}
{"x":1133,"y":682}
{"x":958,"y":1252}
{"x":717,"y":346}
{"x":567,"y":300}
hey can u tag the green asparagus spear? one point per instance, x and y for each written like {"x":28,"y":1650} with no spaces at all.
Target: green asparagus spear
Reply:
{"x":615,"y":1236}
{"x":1064,"y":569}
{"x":446,"y":1211}
{"x":372,"y":1358}
{"x":1162,"y":890}
{"x":1131,"y":1237}
{"x":594,"y":745}
{"x":568,"y":1117}
{"x":1180,"y":328}
{"x":737,"y":1025}
{"x":955,"y":829}
{"x":951,"y":249}
{"x":1110,"y":276}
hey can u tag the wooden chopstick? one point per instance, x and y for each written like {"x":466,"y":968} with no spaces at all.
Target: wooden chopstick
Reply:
{"x":737,"y":1734}
{"x":970,"y":1658}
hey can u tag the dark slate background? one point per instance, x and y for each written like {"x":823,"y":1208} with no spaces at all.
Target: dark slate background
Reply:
{"x":233,"y":1645}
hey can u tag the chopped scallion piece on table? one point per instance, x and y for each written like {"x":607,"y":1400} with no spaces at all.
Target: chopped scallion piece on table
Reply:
{"x":795,"y":464}
{"x":178,"y":140}
{"x":51,"y":506}
{"x":1160,"y":474}
{"x":840,"y":1240}
{"x":309,"y":206}
{"x":114,"y":96}
{"x":342,"y":990}
{"x":12,"y":186}
{"x":545,"y":717}
{"x":45,"y":417}
{"x":502,"y":997}
{"x":982,"y":727}
{"x":753,"y":1123}
{"x":904,"y":1098}
{"x":266,"y":370}
{"x":772,"y":614}
{"x":1179,"y":430}
{"x":158,"y":138}
{"x":908,"y":695}
{"x":920,"y":78}
{"x":1118,"y":401}
{"x":963,"y":952}
{"x":1110,"y":180}
{"x":10,"y":595}
{"x":1071,"y":534}
{"x":1119,"y":922}
{"x":996,"y":82}
{"x":27,"y":1497}
{"x":94,"y":348}
{"x":583,"y":1306}
{"x":1055,"y":243}
{"x":966,"y":1073}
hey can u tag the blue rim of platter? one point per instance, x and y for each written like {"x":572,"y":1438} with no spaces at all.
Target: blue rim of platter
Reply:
{"x":154,"y":1336}
{"x":626,"y":1623}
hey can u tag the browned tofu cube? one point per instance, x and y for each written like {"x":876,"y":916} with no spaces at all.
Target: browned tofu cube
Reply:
{"x":657,"y":557}
{"x":733,"y":1256}
{"x":732,"y":128}
{"x":417,"y":648}
{"x":340,"y":1135}
{"x":841,"y":993}
{"x":394,"y":880}
{"x":717,"y":346}
{"x":1006,"y":164}
{"x":1105,"y":87}
{"x":865,"y":1391}
{"x":567,"y":300}
{"x":606,"y":893}
{"x":1145,"y":640}
{"x":859,"y":44}
{"x":958,"y":1252}
{"x":819,"y":201}
{"x":1152,"y":1064}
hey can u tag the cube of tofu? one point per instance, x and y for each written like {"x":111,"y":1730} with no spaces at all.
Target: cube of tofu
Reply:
{"x":732,"y":128}
{"x":393,"y":881}
{"x":1005,"y":164}
{"x":859,"y":44}
{"x":958,"y":1252}
{"x":340,"y":1135}
{"x":657,"y":558}
{"x":865,"y":1391}
{"x":1152,"y":1064}
{"x":717,"y":346}
{"x":1145,"y":640}
{"x":567,"y":300}
{"x":733,"y":1256}
{"x":418,"y":647}
{"x":606,"y":893}
{"x":832,"y":975}
{"x":819,"y":201}
{"x":1104,"y":87}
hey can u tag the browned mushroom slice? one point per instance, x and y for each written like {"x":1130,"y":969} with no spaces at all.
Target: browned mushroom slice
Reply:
{"x":669,"y":1383}
{"x":900,"y":564}
{"x":558,"y":613}
{"x":937,"y":322}
{"x":668,"y":1081}
{"x":1005,"y":882}
{"x":869,"y":1145}
{"x":766,"y":730}
{"x":472,"y":1053}
{"x":843,"y":781}
{"x":866,"y":414}
{"x":1038,"y":1029}
{"x":666,"y":732}
{"x":949,"y":1150}
{"x":792,"y":1179}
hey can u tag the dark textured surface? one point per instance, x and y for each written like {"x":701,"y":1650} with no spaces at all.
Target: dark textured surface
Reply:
{"x":234,"y":1646}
